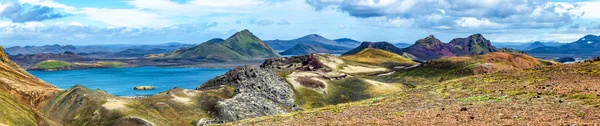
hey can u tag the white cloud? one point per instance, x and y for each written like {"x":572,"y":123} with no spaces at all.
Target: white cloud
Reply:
{"x":586,"y":10}
{"x":126,"y":17}
{"x":49,"y":3}
{"x":530,"y":14}
{"x":471,"y":22}
{"x":197,"y":7}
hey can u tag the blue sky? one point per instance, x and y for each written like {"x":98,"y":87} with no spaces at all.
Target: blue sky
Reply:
{"x":88,"y":22}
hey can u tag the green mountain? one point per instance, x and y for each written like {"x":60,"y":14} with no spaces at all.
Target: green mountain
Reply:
{"x":242,"y":45}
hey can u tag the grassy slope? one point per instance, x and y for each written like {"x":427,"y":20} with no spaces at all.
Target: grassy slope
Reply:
{"x":53,"y":64}
{"x":57,"y":64}
{"x":379,"y":57}
{"x":558,"y":94}
{"x":14,"y":112}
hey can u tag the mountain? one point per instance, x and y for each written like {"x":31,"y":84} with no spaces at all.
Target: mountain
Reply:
{"x":379,"y":57}
{"x":432,"y":48}
{"x":474,"y":44}
{"x":100,"y":51}
{"x":402,"y":45}
{"x":347,"y":42}
{"x":40,"y":49}
{"x":303,"y":49}
{"x":587,"y":42}
{"x":242,"y":45}
{"x":524,"y":46}
{"x":587,"y":46}
{"x":341,"y":45}
{"x":535,"y":45}
{"x":377,"y":45}
{"x":27,"y":61}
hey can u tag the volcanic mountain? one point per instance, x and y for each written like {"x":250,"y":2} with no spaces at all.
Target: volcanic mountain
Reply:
{"x":474,"y":44}
{"x":242,"y":45}
{"x":432,"y":48}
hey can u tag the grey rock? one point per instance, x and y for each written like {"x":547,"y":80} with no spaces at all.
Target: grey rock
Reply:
{"x":258,"y":92}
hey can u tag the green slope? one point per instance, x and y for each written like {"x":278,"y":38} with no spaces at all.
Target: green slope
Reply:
{"x":242,"y":45}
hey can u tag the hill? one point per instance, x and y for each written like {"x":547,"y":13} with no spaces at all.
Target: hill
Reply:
{"x":377,"y":45}
{"x":304,"y":49}
{"x":54,"y":65}
{"x":402,"y":45}
{"x":535,"y":45}
{"x":432,"y":48}
{"x":341,"y":45}
{"x":474,"y":44}
{"x":379,"y":57}
{"x":242,"y":45}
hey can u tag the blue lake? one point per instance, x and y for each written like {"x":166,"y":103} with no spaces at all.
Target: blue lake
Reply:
{"x":120,"y":81}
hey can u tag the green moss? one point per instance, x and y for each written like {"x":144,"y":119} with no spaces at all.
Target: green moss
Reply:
{"x":347,"y":90}
{"x":308,"y":98}
{"x":13,"y":112}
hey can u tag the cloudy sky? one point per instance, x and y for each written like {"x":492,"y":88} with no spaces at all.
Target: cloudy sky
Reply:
{"x":86,"y":22}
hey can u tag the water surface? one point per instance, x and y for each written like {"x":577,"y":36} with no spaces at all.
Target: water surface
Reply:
{"x":120,"y":81}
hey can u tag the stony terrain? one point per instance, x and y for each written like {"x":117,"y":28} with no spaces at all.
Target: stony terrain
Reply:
{"x":533,"y":94}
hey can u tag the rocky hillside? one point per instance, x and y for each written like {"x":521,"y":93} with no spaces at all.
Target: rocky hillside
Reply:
{"x":474,"y":44}
{"x":20,"y":92}
{"x":269,"y":94}
{"x":242,"y":45}
{"x":304,"y":49}
{"x":526,"y":91}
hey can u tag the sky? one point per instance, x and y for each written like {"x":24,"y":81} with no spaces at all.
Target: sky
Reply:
{"x":93,"y":22}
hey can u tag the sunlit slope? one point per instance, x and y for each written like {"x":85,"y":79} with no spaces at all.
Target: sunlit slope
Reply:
{"x":525,"y":93}
{"x":379,"y":57}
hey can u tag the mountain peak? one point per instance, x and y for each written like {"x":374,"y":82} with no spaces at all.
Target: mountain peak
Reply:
{"x":431,"y":37}
{"x":428,"y":41}
{"x":313,"y":36}
{"x":216,"y":40}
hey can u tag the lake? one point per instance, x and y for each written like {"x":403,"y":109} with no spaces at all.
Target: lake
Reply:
{"x":120,"y":81}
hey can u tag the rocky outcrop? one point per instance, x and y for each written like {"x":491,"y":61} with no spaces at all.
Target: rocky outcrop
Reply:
{"x":301,"y":63}
{"x":258,"y":92}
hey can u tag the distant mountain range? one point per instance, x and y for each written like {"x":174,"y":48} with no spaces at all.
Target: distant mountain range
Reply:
{"x":335,"y":46}
{"x":242,"y":45}
{"x":104,"y":50}
{"x":303,"y":49}
{"x":432,"y":48}
{"x":527,"y":45}
{"x":587,"y":46}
